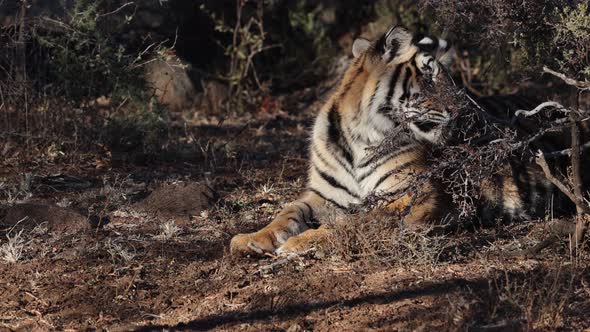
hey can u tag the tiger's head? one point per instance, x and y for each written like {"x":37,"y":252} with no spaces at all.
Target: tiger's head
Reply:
{"x":405,"y":67}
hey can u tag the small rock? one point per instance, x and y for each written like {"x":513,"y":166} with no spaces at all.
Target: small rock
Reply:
{"x":178,"y":200}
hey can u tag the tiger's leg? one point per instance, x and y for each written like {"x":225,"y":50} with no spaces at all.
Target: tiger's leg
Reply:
{"x":418,"y":209}
{"x":291,"y":221}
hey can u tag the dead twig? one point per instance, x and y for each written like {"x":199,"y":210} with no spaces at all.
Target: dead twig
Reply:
{"x":541,"y":107}
{"x":566,"y":152}
{"x":570,"y":81}
{"x":283,"y":260}
{"x":116,"y":10}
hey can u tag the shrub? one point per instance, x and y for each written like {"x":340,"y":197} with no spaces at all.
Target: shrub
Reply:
{"x":507,"y":39}
{"x":78,"y":52}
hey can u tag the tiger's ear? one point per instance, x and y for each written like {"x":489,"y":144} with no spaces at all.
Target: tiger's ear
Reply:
{"x":397,"y":43}
{"x":445,"y":54}
{"x":360,"y":46}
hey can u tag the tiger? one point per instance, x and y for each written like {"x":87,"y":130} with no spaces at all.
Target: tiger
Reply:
{"x":379,"y":93}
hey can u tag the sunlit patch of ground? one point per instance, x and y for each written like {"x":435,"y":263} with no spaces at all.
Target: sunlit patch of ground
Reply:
{"x":132,"y":268}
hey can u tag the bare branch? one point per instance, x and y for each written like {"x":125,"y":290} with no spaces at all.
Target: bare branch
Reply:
{"x":577,"y":178}
{"x":565,"y":152}
{"x":541,"y":107}
{"x":578,"y":84}
{"x":116,"y":10}
{"x":541,"y":161}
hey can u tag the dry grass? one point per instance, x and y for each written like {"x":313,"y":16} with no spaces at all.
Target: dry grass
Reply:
{"x":118,"y":252}
{"x":540,"y":300}
{"x":13,"y":250}
{"x":377,"y":238}
{"x":168,"y":230}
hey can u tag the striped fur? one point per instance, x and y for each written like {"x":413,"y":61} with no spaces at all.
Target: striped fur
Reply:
{"x":521,"y":190}
{"x":379,"y":94}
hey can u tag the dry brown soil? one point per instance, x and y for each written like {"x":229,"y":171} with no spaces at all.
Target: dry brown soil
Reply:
{"x":142,"y":245}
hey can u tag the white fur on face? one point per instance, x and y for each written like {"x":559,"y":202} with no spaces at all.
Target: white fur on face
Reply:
{"x":426,"y":41}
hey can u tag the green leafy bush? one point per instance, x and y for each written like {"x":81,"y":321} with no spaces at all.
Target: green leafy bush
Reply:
{"x":75,"y":54}
{"x":84,"y":56}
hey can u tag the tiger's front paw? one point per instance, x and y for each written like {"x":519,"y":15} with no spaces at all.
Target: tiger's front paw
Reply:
{"x":294,"y":245}
{"x":302,"y":242}
{"x":257,"y":243}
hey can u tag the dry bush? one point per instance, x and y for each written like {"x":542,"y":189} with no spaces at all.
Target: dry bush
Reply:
{"x":377,"y":239}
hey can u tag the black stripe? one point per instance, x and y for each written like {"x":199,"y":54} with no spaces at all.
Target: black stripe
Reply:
{"x":314,"y":150}
{"x":327,"y":199}
{"x":312,"y":221}
{"x":345,"y":167}
{"x":383,"y":161}
{"x":393,"y":49}
{"x":380,"y":44}
{"x":390,"y":92}
{"x":425,"y":47}
{"x":334,"y":183}
{"x":417,"y":37}
{"x":405,"y":85}
{"x":342,"y":163}
{"x":393,"y":83}
{"x":372,"y":100}
{"x":377,"y":156}
{"x":351,"y":81}
{"x":390,"y":173}
{"x":336,"y":136}
{"x":425,"y":126}
{"x":310,"y":210}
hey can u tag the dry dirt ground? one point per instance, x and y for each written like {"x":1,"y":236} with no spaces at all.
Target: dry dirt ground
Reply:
{"x":88,"y":243}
